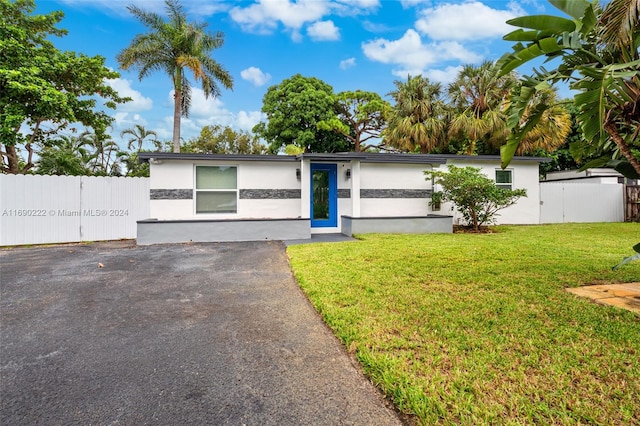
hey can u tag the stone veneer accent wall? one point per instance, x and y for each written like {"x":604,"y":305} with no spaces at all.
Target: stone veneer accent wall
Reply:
{"x":270,"y":194}
{"x":245,"y":194}
{"x":395,"y":193}
{"x":171,"y":194}
{"x":344,"y":193}
{"x":295,"y":194}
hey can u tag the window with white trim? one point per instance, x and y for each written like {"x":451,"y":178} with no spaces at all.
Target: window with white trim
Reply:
{"x":504,"y":179}
{"x":216,"y":189}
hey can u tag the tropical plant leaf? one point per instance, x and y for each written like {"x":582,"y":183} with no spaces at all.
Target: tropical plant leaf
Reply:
{"x":627,"y":260}
{"x":544,"y":22}
{"x":521,"y":35}
{"x":589,"y":19}
{"x":625,"y":169}
{"x":596,"y":163}
{"x":511,"y":61}
{"x":573,"y":8}
{"x":549,"y":45}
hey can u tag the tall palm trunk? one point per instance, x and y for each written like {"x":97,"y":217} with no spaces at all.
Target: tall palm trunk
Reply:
{"x":177,"y":108}
{"x":624,"y":148}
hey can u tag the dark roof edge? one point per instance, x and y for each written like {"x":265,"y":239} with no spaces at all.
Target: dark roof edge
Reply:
{"x":342,"y":156}
{"x":144,"y":157}
{"x":495,"y":157}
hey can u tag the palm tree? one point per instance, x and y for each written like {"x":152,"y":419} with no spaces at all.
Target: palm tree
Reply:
{"x":417,"y":120}
{"x":175,"y":46}
{"x":551,"y":132}
{"x":479,"y":96}
{"x":104,"y":148}
{"x":137,"y":135}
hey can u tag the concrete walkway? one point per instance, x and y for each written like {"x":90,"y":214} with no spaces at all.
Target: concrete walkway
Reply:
{"x":193,"y":334}
{"x":321,"y":238}
{"x":626,"y":296}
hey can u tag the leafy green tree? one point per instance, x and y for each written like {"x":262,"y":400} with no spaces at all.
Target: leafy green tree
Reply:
{"x":216,"y":139}
{"x":137,"y":135}
{"x":42,"y":88}
{"x":598,"y":52}
{"x":175,"y":46}
{"x":417,"y":121}
{"x":361,"y":118}
{"x":292,"y":149}
{"x":294,"y":108}
{"x":67,"y":156}
{"x":476,"y":196}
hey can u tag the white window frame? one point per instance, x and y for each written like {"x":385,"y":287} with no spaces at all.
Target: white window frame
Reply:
{"x":504,"y":185}
{"x":196,"y":190}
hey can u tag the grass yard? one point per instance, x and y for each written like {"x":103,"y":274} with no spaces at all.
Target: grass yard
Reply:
{"x":477,"y":328}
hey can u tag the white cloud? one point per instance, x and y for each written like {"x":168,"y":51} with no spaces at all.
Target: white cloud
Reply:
{"x":255,"y":76}
{"x":323,"y":30}
{"x":354,"y":7}
{"x":201,"y":106}
{"x":444,"y":76}
{"x":264,"y":15}
{"x":205,"y":112}
{"x":413,"y":56}
{"x":124,"y":89}
{"x":467,"y":21}
{"x":119,"y":7}
{"x":406,"y":4}
{"x":361,"y":4}
{"x":246,"y":120}
{"x":347,"y":63}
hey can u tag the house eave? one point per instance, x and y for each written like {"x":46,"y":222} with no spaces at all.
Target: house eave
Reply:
{"x":364,"y":157}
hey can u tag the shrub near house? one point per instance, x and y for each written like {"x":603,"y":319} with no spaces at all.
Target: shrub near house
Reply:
{"x":476,"y":196}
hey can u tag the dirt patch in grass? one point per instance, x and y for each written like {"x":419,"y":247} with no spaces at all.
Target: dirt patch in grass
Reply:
{"x":463,"y":229}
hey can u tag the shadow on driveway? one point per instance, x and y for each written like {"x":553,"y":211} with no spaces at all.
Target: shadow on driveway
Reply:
{"x":170,"y":334}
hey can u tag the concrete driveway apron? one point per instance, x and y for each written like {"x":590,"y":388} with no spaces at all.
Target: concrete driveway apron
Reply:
{"x":170,"y":334}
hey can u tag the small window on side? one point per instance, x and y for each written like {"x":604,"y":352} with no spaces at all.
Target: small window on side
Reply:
{"x":504,"y":179}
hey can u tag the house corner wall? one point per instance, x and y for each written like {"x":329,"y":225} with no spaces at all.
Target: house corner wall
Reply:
{"x":526,"y":211}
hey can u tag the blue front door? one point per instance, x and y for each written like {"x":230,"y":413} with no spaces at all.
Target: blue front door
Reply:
{"x":324,"y":195}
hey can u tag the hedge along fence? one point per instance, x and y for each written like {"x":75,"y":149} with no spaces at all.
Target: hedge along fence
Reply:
{"x":61,"y":209}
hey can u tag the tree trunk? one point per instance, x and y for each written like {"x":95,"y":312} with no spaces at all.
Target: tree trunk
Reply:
{"x":474,"y":215}
{"x":177,"y":109}
{"x":177,"y":112}
{"x":622,"y":145}
{"x":13,"y":166}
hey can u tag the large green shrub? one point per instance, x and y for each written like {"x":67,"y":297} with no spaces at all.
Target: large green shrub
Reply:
{"x":476,"y":196}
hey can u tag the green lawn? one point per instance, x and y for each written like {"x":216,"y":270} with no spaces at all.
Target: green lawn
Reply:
{"x":477,"y":329}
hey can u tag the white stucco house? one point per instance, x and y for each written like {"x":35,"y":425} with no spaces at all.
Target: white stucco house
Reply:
{"x":202,"y":197}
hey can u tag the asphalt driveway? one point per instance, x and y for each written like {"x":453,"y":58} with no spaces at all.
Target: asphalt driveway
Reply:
{"x":170,"y":334}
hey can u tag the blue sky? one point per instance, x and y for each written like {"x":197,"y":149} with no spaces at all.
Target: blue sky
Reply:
{"x":350,"y":44}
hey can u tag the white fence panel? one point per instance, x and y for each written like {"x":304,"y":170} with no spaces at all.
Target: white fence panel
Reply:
{"x":581,"y":202}
{"x":59,"y":209}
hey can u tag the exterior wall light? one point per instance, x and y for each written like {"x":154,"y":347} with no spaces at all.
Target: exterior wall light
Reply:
{"x":298,"y":174}
{"x":348,"y":173}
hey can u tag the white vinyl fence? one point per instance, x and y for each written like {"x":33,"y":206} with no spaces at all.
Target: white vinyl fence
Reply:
{"x":60,"y":209}
{"x":563,"y":202}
